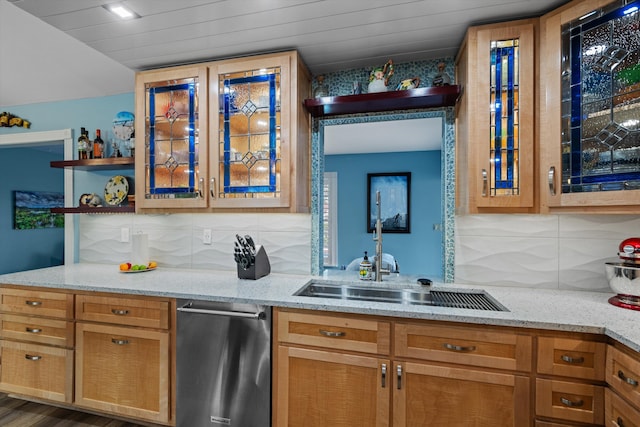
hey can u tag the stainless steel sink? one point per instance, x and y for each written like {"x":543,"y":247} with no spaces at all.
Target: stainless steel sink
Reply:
{"x":469,"y":299}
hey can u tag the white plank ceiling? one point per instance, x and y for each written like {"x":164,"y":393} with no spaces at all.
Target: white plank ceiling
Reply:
{"x":330,"y":34}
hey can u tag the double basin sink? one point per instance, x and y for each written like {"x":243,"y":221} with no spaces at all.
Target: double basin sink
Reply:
{"x":458,"y":298}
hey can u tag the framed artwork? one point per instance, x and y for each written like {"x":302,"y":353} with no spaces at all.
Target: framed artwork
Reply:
{"x":395,"y":201}
{"x":32,"y":209}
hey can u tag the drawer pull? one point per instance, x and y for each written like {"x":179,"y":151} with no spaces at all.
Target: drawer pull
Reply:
{"x":33,"y":303}
{"x":485,"y":183}
{"x":619,"y":422}
{"x":626,"y":379}
{"x":33,"y":330}
{"x":119,"y":342}
{"x":571,"y":403}
{"x":332,"y":334}
{"x":573,"y":360}
{"x":119,"y":312}
{"x":384,"y":375}
{"x":454,"y":347}
{"x":399,"y":370}
{"x":32,"y":357}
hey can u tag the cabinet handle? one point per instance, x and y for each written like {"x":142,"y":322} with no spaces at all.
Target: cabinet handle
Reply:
{"x":485,"y":183}
{"x":552,"y":180}
{"x":119,"y":342}
{"x":384,"y":375}
{"x":213,"y":188}
{"x":332,"y":334}
{"x":33,"y":330}
{"x":453,"y":347}
{"x":201,"y":185}
{"x":32,"y":357}
{"x":118,"y":312}
{"x":619,"y":422}
{"x":399,"y":370}
{"x":570,"y":403}
{"x":33,"y":303}
{"x":626,"y":379}
{"x":573,"y":360}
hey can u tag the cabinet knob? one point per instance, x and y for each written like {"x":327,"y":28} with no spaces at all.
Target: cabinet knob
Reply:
{"x":552,"y":180}
{"x":485,"y":183}
{"x":572,"y":360}
{"x":332,"y":334}
{"x":571,"y":403}
{"x":454,"y":347}
{"x":626,"y":379}
{"x":33,"y":303}
{"x":32,"y":357}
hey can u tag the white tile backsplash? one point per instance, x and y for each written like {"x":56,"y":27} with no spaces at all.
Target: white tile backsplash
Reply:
{"x":539,"y":251}
{"x":175,"y":240}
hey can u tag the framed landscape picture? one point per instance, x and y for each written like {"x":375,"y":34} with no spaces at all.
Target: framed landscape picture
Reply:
{"x":395,"y":195}
{"x":32,"y":209}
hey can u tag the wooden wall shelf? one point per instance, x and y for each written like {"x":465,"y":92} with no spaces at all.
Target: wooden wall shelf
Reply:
{"x":96,"y":210}
{"x":428,"y":97}
{"x":108,"y":163}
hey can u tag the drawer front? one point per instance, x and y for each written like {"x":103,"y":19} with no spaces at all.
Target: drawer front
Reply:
{"x":37,"y":371}
{"x":464,"y":345}
{"x":618,"y":413}
{"x":570,"y":401}
{"x":37,"y":303}
{"x":37,"y":330}
{"x":334,"y":332}
{"x":623,"y":374}
{"x":145,"y":312}
{"x":571,"y":358}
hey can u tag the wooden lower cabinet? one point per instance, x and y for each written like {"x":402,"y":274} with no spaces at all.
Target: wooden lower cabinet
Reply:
{"x":36,"y":370}
{"x":123,"y":370}
{"x":445,"y":396}
{"x":342,"y":370}
{"x":320,"y":388}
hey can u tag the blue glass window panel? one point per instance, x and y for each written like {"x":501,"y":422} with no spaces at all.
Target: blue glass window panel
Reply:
{"x":603,"y":49}
{"x":152,"y":92}
{"x":230,"y":108}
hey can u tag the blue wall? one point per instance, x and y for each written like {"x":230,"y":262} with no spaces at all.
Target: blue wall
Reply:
{"x":29,"y":169}
{"x":418,"y":252}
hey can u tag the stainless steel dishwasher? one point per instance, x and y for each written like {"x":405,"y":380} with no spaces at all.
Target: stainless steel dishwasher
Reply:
{"x":223,"y":364}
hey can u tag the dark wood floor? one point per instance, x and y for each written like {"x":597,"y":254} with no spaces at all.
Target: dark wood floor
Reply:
{"x":21,"y":413}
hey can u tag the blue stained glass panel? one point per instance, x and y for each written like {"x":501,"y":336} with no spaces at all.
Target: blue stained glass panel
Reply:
{"x":171,"y":123}
{"x":604,"y":82}
{"x":504,"y":137}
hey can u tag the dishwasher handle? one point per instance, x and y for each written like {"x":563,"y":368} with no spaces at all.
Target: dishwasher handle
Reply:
{"x":261,"y":315}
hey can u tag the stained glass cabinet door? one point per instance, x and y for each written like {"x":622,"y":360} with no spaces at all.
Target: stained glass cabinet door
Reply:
{"x":249,"y":139}
{"x":171,"y":112}
{"x":495,"y":124}
{"x":590,"y":107}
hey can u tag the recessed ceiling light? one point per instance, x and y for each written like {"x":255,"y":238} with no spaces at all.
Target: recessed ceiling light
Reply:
{"x":121,"y":11}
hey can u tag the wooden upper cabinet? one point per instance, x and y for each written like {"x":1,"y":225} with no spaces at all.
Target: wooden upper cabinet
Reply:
{"x":495,"y":138}
{"x":229,"y":134}
{"x":588,"y":109}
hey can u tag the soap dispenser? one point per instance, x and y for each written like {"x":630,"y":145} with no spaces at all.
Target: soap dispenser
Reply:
{"x":366,"y":268}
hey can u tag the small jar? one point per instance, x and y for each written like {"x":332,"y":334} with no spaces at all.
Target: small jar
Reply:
{"x":366,"y":268}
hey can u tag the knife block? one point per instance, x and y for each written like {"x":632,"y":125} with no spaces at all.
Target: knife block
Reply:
{"x":258,"y":269}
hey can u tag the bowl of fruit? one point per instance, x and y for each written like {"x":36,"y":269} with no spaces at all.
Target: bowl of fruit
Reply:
{"x":127,"y":267}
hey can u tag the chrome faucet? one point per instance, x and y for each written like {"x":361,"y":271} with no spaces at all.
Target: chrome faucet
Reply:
{"x":379,"y":271}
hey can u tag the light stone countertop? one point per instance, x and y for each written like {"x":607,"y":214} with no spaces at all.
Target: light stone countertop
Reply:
{"x":531,"y":308}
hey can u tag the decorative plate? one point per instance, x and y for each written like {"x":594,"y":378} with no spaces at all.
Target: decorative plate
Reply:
{"x":116,"y":190}
{"x":138,"y":271}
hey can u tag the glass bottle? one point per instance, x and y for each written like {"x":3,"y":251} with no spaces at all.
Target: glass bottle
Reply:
{"x":83,"y":145}
{"x":98,"y":146}
{"x":321,"y":89}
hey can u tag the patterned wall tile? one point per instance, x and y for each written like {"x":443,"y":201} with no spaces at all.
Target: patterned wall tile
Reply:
{"x":507,"y":261}
{"x":507,"y":225}
{"x":581,"y":263}
{"x":617,"y":227}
